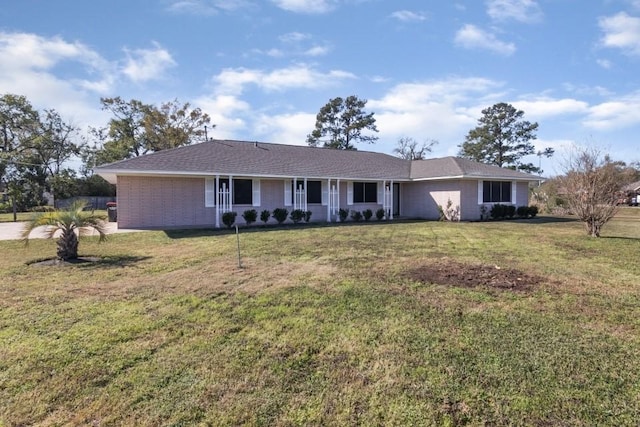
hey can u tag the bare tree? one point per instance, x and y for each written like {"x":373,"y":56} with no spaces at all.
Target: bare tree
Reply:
{"x":592,"y":183}
{"x":410,"y":149}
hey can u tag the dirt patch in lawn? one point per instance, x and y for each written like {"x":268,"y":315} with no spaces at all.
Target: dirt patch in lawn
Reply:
{"x":454,"y":273}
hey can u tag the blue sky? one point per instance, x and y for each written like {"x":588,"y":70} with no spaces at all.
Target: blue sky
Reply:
{"x":263,"y":69}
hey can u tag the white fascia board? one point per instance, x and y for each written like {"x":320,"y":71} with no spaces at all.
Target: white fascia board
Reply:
{"x":122,"y":172}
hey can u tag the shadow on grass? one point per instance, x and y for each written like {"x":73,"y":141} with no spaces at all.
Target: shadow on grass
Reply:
{"x":89,"y":261}
{"x":185,"y":233}
{"x":207,"y":232}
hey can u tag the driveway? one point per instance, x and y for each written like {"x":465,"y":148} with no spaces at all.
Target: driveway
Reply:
{"x":12,"y":230}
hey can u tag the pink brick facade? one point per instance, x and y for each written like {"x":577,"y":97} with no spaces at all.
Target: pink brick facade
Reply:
{"x":176,"y":202}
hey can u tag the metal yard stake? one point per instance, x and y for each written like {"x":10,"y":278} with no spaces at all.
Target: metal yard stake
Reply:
{"x":238,"y":241}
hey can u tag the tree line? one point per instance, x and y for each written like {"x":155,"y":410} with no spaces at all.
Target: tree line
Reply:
{"x":36,"y":146}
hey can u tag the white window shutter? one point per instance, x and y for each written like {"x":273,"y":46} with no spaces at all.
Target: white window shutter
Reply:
{"x":350,"y":193}
{"x":255,"y":186}
{"x":209,"y":192}
{"x":480,"y":189}
{"x":287,"y":192}
{"x":514,"y":186}
{"x":325,"y":193}
{"x":380,"y":193}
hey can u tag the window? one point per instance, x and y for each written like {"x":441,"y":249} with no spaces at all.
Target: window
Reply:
{"x":242,"y":190}
{"x":314,"y":190}
{"x":496,"y":191}
{"x":365,"y":192}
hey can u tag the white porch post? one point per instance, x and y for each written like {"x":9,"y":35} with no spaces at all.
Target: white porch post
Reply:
{"x":391,"y":192}
{"x":338,"y":188}
{"x":295,"y":193}
{"x":230,"y":193}
{"x":329,"y":197}
{"x":217,"y":199}
{"x":304,"y":200}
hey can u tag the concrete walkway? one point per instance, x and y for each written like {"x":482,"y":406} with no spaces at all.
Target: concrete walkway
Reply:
{"x":12,"y":230}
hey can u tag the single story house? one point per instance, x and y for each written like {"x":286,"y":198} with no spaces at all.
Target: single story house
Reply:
{"x":192,"y":186}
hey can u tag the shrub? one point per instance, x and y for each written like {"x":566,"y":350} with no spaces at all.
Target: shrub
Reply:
{"x":343,"y":214}
{"x":522,"y":211}
{"x":533,"y":211}
{"x":483,"y":212}
{"x":367,"y":214}
{"x":250,"y":216}
{"x":297,"y":215}
{"x":380,"y":214}
{"x":265,"y":215}
{"x":510,"y":211}
{"x":356,"y":216}
{"x":498,"y":211}
{"x":229,"y":218}
{"x":307,"y":216}
{"x":280,"y":215}
{"x":449,"y":213}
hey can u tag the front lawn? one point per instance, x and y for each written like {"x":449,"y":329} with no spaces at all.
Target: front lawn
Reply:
{"x":414,"y":323}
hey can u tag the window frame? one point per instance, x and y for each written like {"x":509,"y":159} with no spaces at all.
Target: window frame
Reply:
{"x":365,"y":192}
{"x":497,"y":191}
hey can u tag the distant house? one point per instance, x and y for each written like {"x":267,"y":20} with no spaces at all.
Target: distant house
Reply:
{"x":193,"y":186}
{"x":631,"y":193}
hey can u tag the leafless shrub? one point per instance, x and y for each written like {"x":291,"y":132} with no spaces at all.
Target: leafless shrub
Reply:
{"x":592,"y":183}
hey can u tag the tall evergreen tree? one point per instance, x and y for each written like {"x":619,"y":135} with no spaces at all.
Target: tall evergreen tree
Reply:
{"x":340,"y":124}
{"x":502,"y":138}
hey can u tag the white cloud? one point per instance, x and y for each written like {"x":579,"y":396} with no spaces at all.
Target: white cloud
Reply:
{"x":143,"y":65}
{"x":285,"y":128}
{"x":544,"y":107}
{"x":604,"y":63}
{"x":226,"y":113}
{"x":317,"y":51}
{"x":472,"y":37}
{"x":234,"y":80}
{"x":527,"y":11}
{"x":439,"y":109}
{"x":618,"y":113}
{"x":30,"y":68}
{"x":206,"y":7}
{"x":306,"y":6}
{"x":409,"y":16}
{"x":621,"y":31}
{"x":294,"y":37}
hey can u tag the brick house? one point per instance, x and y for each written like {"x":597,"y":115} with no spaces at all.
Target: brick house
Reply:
{"x":192,"y":186}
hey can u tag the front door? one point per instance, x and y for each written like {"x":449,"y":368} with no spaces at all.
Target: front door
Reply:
{"x":396,"y":199}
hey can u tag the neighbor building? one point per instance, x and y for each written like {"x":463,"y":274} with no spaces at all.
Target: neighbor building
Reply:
{"x":193,"y":186}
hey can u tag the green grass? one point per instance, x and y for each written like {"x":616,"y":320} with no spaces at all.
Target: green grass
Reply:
{"x":324,"y":326}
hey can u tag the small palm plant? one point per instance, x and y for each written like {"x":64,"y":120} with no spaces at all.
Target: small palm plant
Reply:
{"x":67,"y":221}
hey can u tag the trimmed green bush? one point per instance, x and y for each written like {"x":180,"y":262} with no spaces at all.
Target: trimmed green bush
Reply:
{"x":280,"y":215}
{"x":367,"y":214}
{"x":510,"y":211}
{"x":250,"y":216}
{"x":522,"y":211}
{"x":343,"y":214}
{"x":307,"y":216}
{"x":356,"y":216}
{"x":229,"y":218}
{"x":265,"y":215}
{"x":533,"y":211}
{"x":380,"y":214}
{"x":297,"y":215}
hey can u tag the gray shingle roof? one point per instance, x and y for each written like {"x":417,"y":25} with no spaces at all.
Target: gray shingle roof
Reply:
{"x":451,"y":167}
{"x":243,"y":158}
